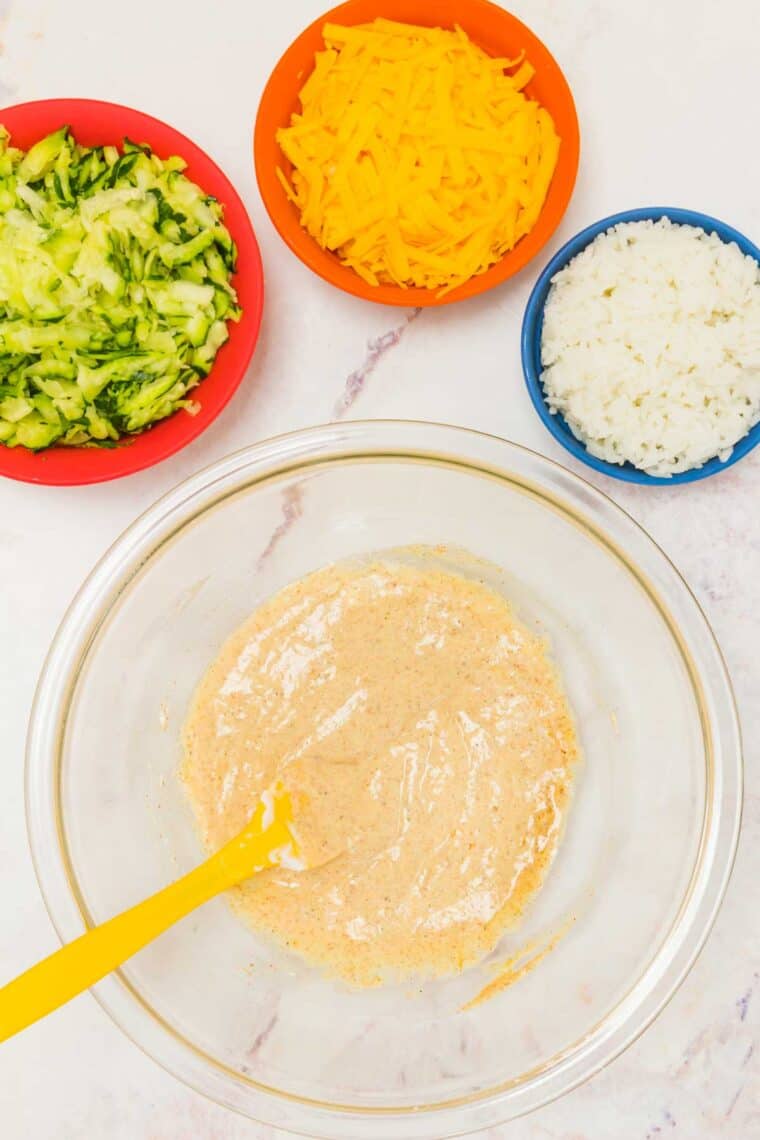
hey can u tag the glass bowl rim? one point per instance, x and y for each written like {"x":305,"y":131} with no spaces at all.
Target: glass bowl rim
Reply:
{"x":472,"y":452}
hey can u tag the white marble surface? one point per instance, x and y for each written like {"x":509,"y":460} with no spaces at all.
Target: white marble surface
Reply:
{"x":667,"y":95}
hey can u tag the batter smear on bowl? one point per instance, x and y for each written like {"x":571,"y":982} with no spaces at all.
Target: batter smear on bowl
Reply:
{"x":429,"y":737}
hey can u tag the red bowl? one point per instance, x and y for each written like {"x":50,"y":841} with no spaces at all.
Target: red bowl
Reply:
{"x":96,"y":123}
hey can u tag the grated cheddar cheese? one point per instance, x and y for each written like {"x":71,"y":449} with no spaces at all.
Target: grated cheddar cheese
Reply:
{"x":416,"y":157}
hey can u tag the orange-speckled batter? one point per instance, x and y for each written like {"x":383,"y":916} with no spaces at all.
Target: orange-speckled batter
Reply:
{"x":430,"y":733}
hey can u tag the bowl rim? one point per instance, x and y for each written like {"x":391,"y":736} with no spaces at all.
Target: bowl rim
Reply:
{"x":324,"y":263}
{"x":530,"y":343}
{"x":80,"y":466}
{"x":606,"y":522}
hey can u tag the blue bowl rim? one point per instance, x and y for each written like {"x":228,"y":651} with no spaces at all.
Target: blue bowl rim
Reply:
{"x":530,"y":343}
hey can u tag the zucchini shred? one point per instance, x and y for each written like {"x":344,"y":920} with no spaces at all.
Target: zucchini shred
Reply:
{"x":115,"y":290}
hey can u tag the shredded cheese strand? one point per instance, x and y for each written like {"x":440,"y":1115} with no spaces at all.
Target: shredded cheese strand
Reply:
{"x":416,"y":157}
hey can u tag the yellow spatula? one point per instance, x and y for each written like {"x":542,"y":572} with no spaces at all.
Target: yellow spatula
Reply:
{"x":266,"y":841}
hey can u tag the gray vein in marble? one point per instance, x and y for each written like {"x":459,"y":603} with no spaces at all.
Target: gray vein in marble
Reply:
{"x":742,"y":1004}
{"x":263,"y":1037}
{"x":734,"y":1100}
{"x":377,"y":348}
{"x":668,"y":1121}
{"x":697,"y":1046}
{"x":292,"y":509}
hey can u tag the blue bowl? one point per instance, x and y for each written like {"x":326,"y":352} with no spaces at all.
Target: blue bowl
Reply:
{"x":531,"y":344}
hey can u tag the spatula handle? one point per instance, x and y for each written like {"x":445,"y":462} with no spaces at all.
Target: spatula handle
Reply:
{"x":78,"y":965}
{"x":81,"y":963}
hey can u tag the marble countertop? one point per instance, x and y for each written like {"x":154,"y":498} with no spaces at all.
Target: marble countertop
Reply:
{"x":665,"y":94}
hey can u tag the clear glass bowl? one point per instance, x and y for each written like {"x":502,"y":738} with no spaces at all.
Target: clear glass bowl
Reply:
{"x":638,"y":878}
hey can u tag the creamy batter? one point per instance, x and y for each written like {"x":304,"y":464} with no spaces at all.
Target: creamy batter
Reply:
{"x":425,"y":735}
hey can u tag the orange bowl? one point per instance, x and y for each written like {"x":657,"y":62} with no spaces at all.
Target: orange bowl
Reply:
{"x":497,"y":32}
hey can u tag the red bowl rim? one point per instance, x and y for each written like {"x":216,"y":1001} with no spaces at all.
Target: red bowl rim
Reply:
{"x":77,"y":466}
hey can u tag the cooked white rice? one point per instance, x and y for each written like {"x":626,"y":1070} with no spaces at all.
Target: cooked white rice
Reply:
{"x":651,"y":346}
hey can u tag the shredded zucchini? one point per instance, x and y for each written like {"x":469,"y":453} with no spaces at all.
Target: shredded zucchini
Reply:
{"x":115,"y":290}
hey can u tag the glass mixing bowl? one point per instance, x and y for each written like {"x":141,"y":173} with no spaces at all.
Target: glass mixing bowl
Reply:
{"x":640,"y":872}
